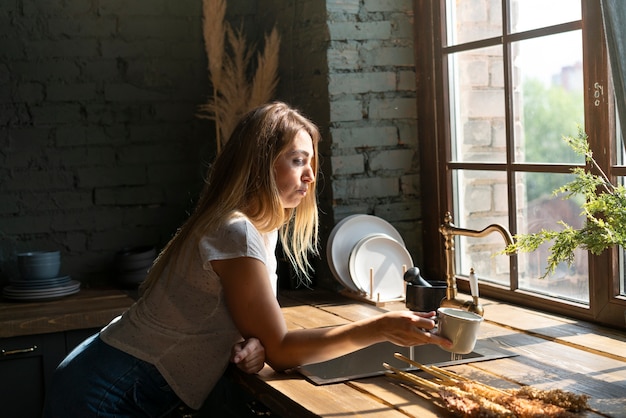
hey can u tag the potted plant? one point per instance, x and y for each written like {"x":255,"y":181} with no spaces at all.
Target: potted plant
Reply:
{"x":604,"y":209}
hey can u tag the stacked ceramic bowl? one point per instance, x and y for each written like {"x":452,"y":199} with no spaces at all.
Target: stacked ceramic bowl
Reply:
{"x":39,"y":278}
{"x":132,"y":264}
{"x":39,"y":265}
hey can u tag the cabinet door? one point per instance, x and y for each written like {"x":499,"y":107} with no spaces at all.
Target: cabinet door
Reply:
{"x":26,"y":365}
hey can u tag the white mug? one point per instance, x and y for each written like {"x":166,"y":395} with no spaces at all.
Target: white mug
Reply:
{"x":460,"y":327}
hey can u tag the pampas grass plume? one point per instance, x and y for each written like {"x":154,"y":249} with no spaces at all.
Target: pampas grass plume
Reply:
{"x":214,"y":32}
{"x":265,"y":79}
{"x":229,"y":58}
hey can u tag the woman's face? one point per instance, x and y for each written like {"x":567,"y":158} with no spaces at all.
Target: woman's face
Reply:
{"x":293,"y":170}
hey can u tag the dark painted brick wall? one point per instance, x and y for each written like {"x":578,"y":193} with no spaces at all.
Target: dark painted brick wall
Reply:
{"x":100,"y":146}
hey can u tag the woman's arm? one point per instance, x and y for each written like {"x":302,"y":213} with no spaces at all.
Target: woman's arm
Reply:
{"x":256,"y":313}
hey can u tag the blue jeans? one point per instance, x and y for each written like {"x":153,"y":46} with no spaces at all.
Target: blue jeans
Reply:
{"x":97,"y":380}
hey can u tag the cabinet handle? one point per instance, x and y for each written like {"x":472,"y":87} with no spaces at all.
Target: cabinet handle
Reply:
{"x":19,"y":351}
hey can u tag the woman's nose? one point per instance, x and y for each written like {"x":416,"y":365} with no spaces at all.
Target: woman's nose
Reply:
{"x":308,"y":175}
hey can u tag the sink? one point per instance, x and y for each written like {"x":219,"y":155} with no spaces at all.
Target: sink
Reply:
{"x":368,"y":362}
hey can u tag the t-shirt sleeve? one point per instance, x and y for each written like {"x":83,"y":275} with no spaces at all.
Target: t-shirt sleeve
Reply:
{"x":237,"y":238}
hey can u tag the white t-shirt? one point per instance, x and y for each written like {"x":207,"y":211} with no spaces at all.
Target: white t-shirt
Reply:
{"x":182,"y":325}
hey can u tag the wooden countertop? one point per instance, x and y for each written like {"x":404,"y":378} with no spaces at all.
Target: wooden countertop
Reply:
{"x":552,"y":352}
{"x":89,"y":308}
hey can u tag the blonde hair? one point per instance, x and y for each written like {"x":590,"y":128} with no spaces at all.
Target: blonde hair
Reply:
{"x":242,"y":180}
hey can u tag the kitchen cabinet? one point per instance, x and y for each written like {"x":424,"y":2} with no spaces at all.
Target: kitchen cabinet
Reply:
{"x":36,"y":336}
{"x":26,"y":366}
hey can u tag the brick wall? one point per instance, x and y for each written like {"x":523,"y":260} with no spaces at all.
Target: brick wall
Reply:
{"x":100,"y":145}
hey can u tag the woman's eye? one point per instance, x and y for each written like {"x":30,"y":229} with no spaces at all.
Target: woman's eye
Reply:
{"x":299,"y":161}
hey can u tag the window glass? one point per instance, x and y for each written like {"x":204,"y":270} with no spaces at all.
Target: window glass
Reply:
{"x":534,"y":14}
{"x":469,"y":21}
{"x":481,"y":201}
{"x":620,"y":146}
{"x":620,"y":153}
{"x":622,"y":258}
{"x":477,"y":105}
{"x":539,"y":208}
{"x":548,"y":97}
{"x":622,"y":262}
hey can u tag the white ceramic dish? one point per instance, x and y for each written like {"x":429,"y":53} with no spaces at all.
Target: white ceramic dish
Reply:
{"x":345,"y":235}
{"x":387,"y":259}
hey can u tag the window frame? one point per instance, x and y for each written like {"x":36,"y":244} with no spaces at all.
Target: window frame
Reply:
{"x":605,"y":306}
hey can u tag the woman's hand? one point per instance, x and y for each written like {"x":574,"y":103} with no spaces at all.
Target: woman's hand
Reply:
{"x":248,"y":355}
{"x":406,"y":328}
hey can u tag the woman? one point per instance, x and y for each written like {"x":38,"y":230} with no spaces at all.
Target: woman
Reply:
{"x":214,"y":284}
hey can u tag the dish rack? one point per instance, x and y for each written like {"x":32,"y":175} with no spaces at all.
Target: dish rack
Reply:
{"x":368,"y":256}
{"x":373,"y":299}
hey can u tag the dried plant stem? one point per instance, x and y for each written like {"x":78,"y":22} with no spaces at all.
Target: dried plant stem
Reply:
{"x":409,"y":377}
{"x":456,"y":399}
{"x":444,"y":376}
{"x":213,"y":30}
{"x":217,"y":126}
{"x":472,"y":398}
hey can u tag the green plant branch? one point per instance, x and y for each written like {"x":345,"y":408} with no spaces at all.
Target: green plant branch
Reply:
{"x":604,"y":210}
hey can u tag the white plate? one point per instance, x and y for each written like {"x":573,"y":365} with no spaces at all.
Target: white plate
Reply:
{"x":387,"y":259}
{"x":345,"y":236}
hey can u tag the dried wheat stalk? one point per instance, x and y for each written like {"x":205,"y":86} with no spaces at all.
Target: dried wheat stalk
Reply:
{"x":470,"y":398}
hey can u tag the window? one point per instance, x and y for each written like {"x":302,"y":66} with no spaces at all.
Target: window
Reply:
{"x":500,"y":83}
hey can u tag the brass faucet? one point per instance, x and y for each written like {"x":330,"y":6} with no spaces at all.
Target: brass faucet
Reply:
{"x":449,"y":230}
